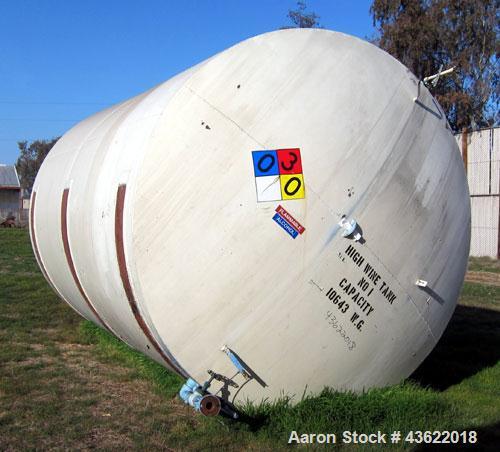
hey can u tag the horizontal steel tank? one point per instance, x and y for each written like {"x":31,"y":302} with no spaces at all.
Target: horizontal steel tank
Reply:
{"x":297,"y":201}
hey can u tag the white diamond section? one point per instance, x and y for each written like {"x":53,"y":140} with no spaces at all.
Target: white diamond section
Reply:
{"x":268,"y":188}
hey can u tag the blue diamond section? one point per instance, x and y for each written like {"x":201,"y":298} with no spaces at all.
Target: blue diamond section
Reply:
{"x":265,"y":163}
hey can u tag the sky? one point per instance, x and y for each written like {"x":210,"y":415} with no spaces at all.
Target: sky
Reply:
{"x":63,"y":60}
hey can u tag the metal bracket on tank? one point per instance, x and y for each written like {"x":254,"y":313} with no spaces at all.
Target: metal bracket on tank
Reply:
{"x":198,"y":397}
{"x":223,"y":379}
{"x":237,"y":363}
{"x":350,"y":228}
{"x":432,"y":80}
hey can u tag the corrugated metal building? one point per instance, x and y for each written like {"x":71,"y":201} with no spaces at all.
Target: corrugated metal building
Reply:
{"x":481,"y":154}
{"x":10,"y":193}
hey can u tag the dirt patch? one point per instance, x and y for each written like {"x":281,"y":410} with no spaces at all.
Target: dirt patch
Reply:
{"x":493,"y":279}
{"x":123,"y":407}
{"x":94,"y":404}
{"x":30,"y":362}
{"x":38,"y":347}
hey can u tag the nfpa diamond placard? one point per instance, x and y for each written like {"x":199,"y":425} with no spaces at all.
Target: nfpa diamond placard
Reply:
{"x":278,"y":174}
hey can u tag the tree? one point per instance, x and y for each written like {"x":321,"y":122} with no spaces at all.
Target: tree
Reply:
{"x":31,"y":158}
{"x":425,"y":34}
{"x":302,"y":19}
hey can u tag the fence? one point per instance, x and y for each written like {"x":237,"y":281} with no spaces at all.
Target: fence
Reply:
{"x":481,"y":154}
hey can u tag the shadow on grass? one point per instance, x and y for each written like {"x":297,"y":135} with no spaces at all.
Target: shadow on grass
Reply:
{"x":254,"y":423}
{"x":470,"y":343}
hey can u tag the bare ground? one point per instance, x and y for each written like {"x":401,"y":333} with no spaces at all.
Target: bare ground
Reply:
{"x":492,"y":279}
{"x":114,"y":409}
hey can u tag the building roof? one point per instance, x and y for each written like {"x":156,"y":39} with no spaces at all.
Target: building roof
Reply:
{"x":8,"y":177}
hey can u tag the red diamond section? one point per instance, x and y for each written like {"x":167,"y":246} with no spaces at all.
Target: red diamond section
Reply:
{"x":289,"y":161}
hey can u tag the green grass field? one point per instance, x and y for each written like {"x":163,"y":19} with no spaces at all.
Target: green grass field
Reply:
{"x":65,"y":384}
{"x":484,"y":264}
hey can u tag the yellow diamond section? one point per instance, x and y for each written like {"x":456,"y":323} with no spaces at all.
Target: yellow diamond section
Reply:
{"x":292,"y":186}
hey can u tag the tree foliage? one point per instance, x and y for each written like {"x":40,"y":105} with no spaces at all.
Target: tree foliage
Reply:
{"x":300,"y":18}
{"x":425,"y":34}
{"x":31,"y":157}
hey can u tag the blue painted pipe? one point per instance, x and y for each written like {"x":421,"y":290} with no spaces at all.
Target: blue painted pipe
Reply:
{"x":193,"y":394}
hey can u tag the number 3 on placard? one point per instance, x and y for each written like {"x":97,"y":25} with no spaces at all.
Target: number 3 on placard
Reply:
{"x":289,"y":161}
{"x":294,"y":159}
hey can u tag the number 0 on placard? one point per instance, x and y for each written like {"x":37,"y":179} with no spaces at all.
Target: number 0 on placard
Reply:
{"x":278,"y":174}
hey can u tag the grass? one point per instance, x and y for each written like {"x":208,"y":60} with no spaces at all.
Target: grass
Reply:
{"x":484,"y":264}
{"x":480,"y":295}
{"x":114,"y":351}
{"x":67,"y":384}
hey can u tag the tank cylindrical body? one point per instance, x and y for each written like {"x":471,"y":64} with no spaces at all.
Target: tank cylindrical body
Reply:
{"x":214,"y":211}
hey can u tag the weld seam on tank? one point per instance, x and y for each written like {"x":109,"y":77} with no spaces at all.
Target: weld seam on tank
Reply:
{"x":33,"y":237}
{"x":225,"y":116}
{"x":407,"y":294}
{"x":69,"y":257}
{"x":361,"y":196}
{"x":372,"y":184}
{"x":127,"y":286}
{"x":34,"y":242}
{"x":37,"y":252}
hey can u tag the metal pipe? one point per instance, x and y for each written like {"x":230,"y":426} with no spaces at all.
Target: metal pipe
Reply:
{"x":439,"y":74}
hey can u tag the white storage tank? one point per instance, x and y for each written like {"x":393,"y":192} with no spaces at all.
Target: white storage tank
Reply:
{"x":288,"y":199}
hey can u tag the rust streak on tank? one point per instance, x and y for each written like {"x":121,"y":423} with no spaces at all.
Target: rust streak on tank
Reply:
{"x":122,"y":264}
{"x":69,"y":257}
